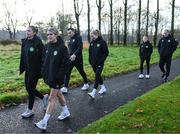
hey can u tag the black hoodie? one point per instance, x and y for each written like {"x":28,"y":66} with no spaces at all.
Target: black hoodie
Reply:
{"x":75,"y":46}
{"x":166,"y":46}
{"x":31,"y":56}
{"x":55,"y":62}
{"x":145,"y":49}
{"x":98,"y":51}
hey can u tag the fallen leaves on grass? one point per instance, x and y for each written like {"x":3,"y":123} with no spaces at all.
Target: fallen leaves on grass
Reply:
{"x":139,"y":110}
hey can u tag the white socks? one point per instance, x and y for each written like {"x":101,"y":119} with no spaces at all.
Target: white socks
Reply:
{"x":64,"y":107}
{"x":46,"y":118}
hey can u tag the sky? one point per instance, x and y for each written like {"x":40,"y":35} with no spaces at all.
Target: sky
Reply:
{"x":42,"y":10}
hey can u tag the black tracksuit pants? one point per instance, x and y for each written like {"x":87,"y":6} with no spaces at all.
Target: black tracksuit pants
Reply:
{"x":79,"y":67}
{"x":165,"y":60}
{"x":98,"y":79}
{"x":30,"y":84}
{"x":147,"y":59}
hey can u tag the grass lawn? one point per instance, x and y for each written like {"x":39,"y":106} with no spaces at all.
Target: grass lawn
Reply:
{"x":121,"y":60}
{"x":158,"y":111}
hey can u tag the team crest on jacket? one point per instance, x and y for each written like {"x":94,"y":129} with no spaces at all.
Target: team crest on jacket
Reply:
{"x":162,"y":40}
{"x":169,"y":40}
{"x":98,"y":45}
{"x":55,"y":53}
{"x":46,"y":51}
{"x":91,"y":44}
{"x":146,"y":46}
{"x":73,"y":40}
{"x":31,"y":49}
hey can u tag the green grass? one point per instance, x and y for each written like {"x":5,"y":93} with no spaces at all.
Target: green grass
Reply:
{"x":158,"y":111}
{"x":120,"y":60}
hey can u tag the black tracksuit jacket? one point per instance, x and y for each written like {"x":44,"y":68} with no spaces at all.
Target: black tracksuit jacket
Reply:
{"x":75,"y":47}
{"x":31,"y":56}
{"x":98,"y":51}
{"x":145,"y":50}
{"x":166,"y":46}
{"x":55,"y":62}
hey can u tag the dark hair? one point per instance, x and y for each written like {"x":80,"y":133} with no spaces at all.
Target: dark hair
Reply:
{"x":34,"y":29}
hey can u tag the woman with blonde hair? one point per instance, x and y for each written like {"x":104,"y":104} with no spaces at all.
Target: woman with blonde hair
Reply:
{"x":53,"y":72}
{"x":98,"y":52}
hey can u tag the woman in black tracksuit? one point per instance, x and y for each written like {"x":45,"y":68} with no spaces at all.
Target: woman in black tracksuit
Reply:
{"x":55,"y":62}
{"x":98,"y":52}
{"x":31,"y":62}
{"x":145,"y":52}
{"x":75,"y":47}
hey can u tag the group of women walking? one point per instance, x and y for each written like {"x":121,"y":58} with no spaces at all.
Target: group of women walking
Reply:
{"x":54,"y":63}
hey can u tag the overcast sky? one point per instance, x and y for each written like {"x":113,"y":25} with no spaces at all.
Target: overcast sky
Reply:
{"x":44,"y":9}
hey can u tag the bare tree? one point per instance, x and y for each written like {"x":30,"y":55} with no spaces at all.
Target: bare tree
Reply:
{"x":100,"y":6}
{"x":117,"y":17}
{"x":10,"y":21}
{"x":111,"y":21}
{"x":156,"y":24}
{"x":147,"y":17}
{"x":125,"y":23}
{"x":77,"y":12}
{"x":88,"y":19}
{"x":28,"y":13}
{"x":139,"y":25}
{"x":172,"y":17}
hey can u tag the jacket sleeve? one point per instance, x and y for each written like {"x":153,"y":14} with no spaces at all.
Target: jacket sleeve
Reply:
{"x":89,"y":50}
{"x":80,"y":46}
{"x":105,"y":52}
{"x":64,"y":64}
{"x":150,"y":49}
{"x":22,"y":66}
{"x":159,"y":46}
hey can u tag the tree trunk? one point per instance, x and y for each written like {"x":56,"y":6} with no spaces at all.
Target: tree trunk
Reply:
{"x":147,"y":18}
{"x":111,"y":21}
{"x":139,"y":25}
{"x":125,"y":24}
{"x":99,"y":6}
{"x":172,"y":18}
{"x":156,"y":24}
{"x":88,"y":17}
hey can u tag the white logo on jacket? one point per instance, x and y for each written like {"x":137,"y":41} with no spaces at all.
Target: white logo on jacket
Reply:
{"x":55,"y":53}
{"x":169,"y":40}
{"x":98,"y":45}
{"x":31,"y":49}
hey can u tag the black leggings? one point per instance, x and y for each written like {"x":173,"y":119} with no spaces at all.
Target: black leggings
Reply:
{"x":147,"y":64}
{"x":98,"y":79}
{"x":79,"y":67}
{"x":165,"y":61}
{"x":30,"y":84}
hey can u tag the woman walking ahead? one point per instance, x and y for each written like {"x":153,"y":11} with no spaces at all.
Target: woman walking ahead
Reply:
{"x":145,"y":52}
{"x":98,"y":52}
{"x":54,"y":68}
{"x":31,"y":63}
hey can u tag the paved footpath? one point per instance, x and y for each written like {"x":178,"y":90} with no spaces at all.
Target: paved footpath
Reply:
{"x":121,"y":89}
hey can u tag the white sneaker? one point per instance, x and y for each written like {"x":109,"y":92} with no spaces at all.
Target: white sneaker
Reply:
{"x":64,"y":90}
{"x":147,"y":76}
{"x":85,"y":87}
{"x":28,"y":113}
{"x":64,"y":114}
{"x":41,"y":125}
{"x":45,"y":101}
{"x":102,"y":90}
{"x":141,"y":76}
{"x":92,"y":94}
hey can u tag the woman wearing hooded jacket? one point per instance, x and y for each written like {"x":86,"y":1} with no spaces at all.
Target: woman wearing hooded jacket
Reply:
{"x":98,"y":52}
{"x":31,"y":63}
{"x":55,"y":62}
{"x":145,"y":52}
